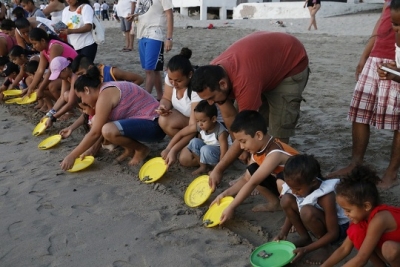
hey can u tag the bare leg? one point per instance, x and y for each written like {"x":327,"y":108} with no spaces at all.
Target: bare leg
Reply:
{"x":173,"y":123}
{"x":150,"y":76}
{"x":188,"y":159}
{"x":391,"y":253}
{"x":158,"y":84}
{"x":389,"y":178}
{"x":360,"y":137}
{"x":130,"y":40}
{"x":203,"y":169}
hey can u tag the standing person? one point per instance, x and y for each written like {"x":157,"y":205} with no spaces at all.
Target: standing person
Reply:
{"x":78,"y":16}
{"x":247,"y":72}
{"x":125,"y":9}
{"x":313,"y":6}
{"x":154,"y":17}
{"x":30,"y":7}
{"x":104,"y":12}
{"x":373,"y":103}
{"x":96,"y":7}
{"x":55,"y":9}
{"x":115,"y":14}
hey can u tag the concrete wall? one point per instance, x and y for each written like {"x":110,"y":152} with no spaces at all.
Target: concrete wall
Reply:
{"x":295,"y":10}
{"x":223,"y":6}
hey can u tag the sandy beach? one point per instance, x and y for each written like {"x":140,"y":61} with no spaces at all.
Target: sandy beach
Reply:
{"x":104,"y":216}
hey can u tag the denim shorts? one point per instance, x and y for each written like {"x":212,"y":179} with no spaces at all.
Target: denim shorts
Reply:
{"x":140,"y":130}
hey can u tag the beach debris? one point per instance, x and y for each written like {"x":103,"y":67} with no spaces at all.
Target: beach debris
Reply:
{"x":280,"y":23}
{"x":263,"y":254}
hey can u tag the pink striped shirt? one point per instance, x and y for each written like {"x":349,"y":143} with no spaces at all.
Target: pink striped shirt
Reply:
{"x":68,"y":51}
{"x":134,"y":103}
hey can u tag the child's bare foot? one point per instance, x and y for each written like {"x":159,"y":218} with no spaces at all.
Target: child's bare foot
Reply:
{"x":67,"y":116}
{"x":267,"y":207}
{"x":342,"y":172}
{"x":44,"y":108}
{"x":123,"y":156}
{"x":139,"y":156}
{"x":200,"y":170}
{"x":254,"y":193}
{"x":319,"y":256}
{"x":389,"y":180}
{"x":39,"y":105}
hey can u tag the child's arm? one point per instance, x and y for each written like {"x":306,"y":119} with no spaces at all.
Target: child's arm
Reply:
{"x":223,"y":144}
{"x":78,"y":122}
{"x":121,"y":75}
{"x":381,"y":223}
{"x":328,"y":204}
{"x":164,"y":109}
{"x":92,"y":151}
{"x":71,"y":101}
{"x":342,"y":252}
{"x":284,"y":230}
{"x":269,"y":164}
{"x":19,"y":77}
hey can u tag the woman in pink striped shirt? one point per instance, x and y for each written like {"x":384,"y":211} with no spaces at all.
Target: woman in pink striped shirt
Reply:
{"x":125,"y":116}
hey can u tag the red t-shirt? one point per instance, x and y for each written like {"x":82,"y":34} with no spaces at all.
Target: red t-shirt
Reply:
{"x":384,"y":46}
{"x":259,"y":62}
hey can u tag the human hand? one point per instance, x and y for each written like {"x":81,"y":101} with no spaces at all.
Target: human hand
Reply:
{"x":214,"y":179}
{"x":65,"y":32}
{"x":65,"y":132}
{"x":170,"y":158}
{"x":67,"y":163}
{"x":300,"y":252}
{"x":168,"y":45}
{"x":218,"y":199}
{"x":39,"y":94}
{"x":48,"y":122}
{"x":227,"y":214}
{"x":163,"y":111}
{"x":360,"y":67}
{"x":385,"y":75}
{"x":279,"y":237}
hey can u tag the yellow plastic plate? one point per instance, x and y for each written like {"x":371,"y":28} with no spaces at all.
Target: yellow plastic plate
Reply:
{"x":152,"y":170}
{"x":213,"y":215}
{"x":50,"y":142}
{"x":13,"y":100}
{"x":82,"y":164}
{"x":13,"y":92}
{"x":40,"y":127}
{"x":28,"y":99}
{"x":197,"y":192}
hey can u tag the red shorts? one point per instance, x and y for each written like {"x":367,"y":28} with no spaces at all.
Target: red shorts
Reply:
{"x":375,"y":102}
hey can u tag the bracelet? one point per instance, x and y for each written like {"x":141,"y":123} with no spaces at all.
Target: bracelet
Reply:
{"x":169,"y":39}
{"x":50,"y":113}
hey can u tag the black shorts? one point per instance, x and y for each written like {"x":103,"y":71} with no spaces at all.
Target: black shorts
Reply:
{"x":269,"y":182}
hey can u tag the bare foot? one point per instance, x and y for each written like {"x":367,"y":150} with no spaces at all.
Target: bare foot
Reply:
{"x":255,"y":191}
{"x":319,"y":256}
{"x":127,"y":153}
{"x":292,"y":229}
{"x":44,"y":109}
{"x":139,"y":156}
{"x":389,"y":180}
{"x":38,"y":105}
{"x":267,"y":207}
{"x":342,"y":172}
{"x":200,"y":170}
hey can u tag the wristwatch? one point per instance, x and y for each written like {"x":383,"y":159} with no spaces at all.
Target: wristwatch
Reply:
{"x":169,"y":39}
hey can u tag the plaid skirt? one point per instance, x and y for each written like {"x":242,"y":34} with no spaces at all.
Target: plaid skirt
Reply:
{"x":375,"y":102}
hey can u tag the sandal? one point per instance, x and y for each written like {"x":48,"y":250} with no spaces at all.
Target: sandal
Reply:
{"x":126,"y":50}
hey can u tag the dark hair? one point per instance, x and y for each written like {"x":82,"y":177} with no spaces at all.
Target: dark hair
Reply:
{"x":302,"y":168}
{"x":181,"y":62}
{"x":81,"y":2}
{"x":85,"y":116}
{"x":18,"y":12}
{"x":204,"y":107}
{"x":395,"y":5}
{"x":22,"y":23}
{"x":359,"y":186}
{"x":90,"y":79}
{"x":250,"y":122}
{"x":17,"y":51}
{"x":31,"y":66}
{"x":11,"y":68}
{"x":4,"y":60}
{"x":81,"y":61}
{"x":7,"y":24}
{"x":207,"y":76}
{"x":27,"y":1}
{"x":38,"y":34}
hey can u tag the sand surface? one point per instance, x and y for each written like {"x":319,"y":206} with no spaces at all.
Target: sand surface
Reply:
{"x":104,"y":216}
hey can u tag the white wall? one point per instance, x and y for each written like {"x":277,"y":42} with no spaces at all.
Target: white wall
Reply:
{"x":295,"y":10}
{"x":223,"y":6}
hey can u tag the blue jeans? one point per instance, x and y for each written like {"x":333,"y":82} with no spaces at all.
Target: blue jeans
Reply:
{"x":140,"y":130}
{"x":208,"y":154}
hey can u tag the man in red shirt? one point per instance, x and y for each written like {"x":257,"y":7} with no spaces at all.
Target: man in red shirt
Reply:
{"x":264,"y":71}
